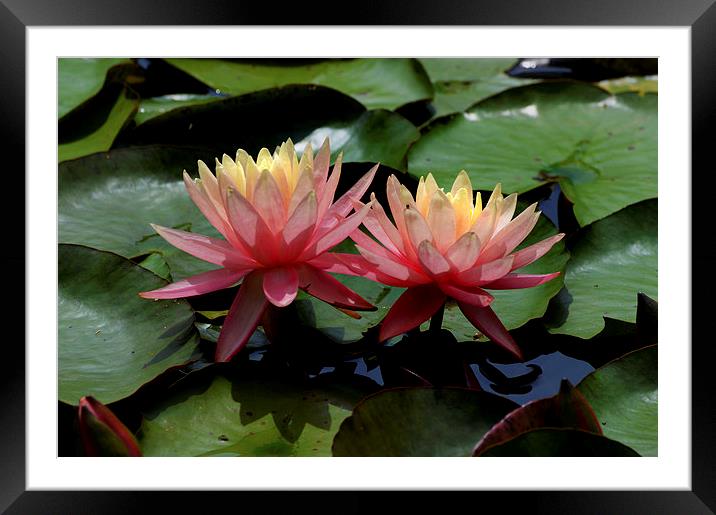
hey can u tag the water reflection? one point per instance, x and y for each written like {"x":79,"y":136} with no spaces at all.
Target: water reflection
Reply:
{"x":554,"y":367}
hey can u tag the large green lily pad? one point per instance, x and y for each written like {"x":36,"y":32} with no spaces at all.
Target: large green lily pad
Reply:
{"x":95,"y":126}
{"x":624,"y":395}
{"x":551,"y":442}
{"x":107,"y":201}
{"x":601,"y":148}
{"x":110,"y":340}
{"x":246,"y":414}
{"x":460,"y":83}
{"x":376,"y":83}
{"x":300,"y":112}
{"x":152,"y":107}
{"x":612,"y":261}
{"x":81,"y":79}
{"x":420,"y":422}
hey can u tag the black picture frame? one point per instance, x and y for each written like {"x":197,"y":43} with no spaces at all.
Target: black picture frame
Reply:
{"x":699,"y":15}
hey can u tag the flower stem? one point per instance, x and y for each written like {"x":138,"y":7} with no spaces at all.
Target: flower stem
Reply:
{"x":436,"y":322}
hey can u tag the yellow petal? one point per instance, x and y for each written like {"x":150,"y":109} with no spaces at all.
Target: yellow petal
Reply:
{"x":462,"y":205}
{"x":264,"y":160}
{"x":441,"y":219}
{"x":461,"y":181}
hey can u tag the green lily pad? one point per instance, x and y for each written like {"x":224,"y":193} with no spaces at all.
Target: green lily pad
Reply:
{"x":612,"y":261}
{"x":420,"y":422}
{"x":95,"y":126}
{"x":376,"y":83}
{"x":81,"y":79}
{"x":246,"y":414}
{"x":602,"y":149}
{"x":110,"y":340}
{"x":107,"y":201}
{"x":152,"y":107}
{"x":624,"y":395}
{"x":460,"y":83}
{"x":640,"y":85}
{"x":303,"y":113}
{"x":560,"y":443}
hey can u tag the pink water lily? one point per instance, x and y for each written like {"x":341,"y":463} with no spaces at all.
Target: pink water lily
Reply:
{"x":278,"y":219}
{"x":443,"y":245}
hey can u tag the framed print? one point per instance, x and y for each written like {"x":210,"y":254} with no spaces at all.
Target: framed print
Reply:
{"x":358,"y":293}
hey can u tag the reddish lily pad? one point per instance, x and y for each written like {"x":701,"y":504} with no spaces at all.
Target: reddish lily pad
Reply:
{"x":567,"y":409}
{"x":552,"y":442}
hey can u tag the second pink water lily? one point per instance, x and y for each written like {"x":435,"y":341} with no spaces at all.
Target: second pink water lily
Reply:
{"x":445,"y":245}
{"x":278,"y":219}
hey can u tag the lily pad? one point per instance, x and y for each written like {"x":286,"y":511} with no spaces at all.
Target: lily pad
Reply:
{"x":94,"y":127}
{"x":420,"y":422}
{"x":460,"y":83}
{"x":305,"y":113}
{"x":110,"y":340}
{"x":561,"y":443}
{"x":640,"y":85}
{"x":152,"y":107}
{"x":81,"y":79}
{"x":376,"y":83}
{"x":602,"y":149}
{"x":624,"y":395}
{"x":246,"y":414}
{"x":107,"y":201}
{"x":567,"y":409}
{"x":612,"y":261}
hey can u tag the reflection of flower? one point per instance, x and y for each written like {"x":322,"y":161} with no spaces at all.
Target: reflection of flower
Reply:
{"x":279,"y":219}
{"x":444,"y":246}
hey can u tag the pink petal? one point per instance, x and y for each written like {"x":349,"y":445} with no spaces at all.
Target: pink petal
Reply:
{"x":203,"y":247}
{"x":326,"y":197}
{"x":207,"y":208}
{"x":243,"y":318}
{"x":412,"y":308}
{"x":387,"y":265}
{"x":397,"y":209}
{"x":338,"y":263}
{"x":299,"y":228}
{"x":251,"y":228}
{"x":486,"y":273}
{"x":431,"y":259}
{"x":343,"y":205}
{"x":322,"y":286}
{"x":472,"y":296}
{"x":320,"y":167}
{"x":532,"y":253}
{"x":515,"y":281}
{"x":303,"y":187}
{"x":512,"y":235}
{"x":378,"y":223}
{"x":197,"y":284}
{"x":268,"y":202}
{"x":463,"y":253}
{"x":281,"y":285}
{"x":417,"y":227}
{"x":484,"y":226}
{"x":506,"y":210}
{"x":485,"y":319}
{"x":342,"y":231}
